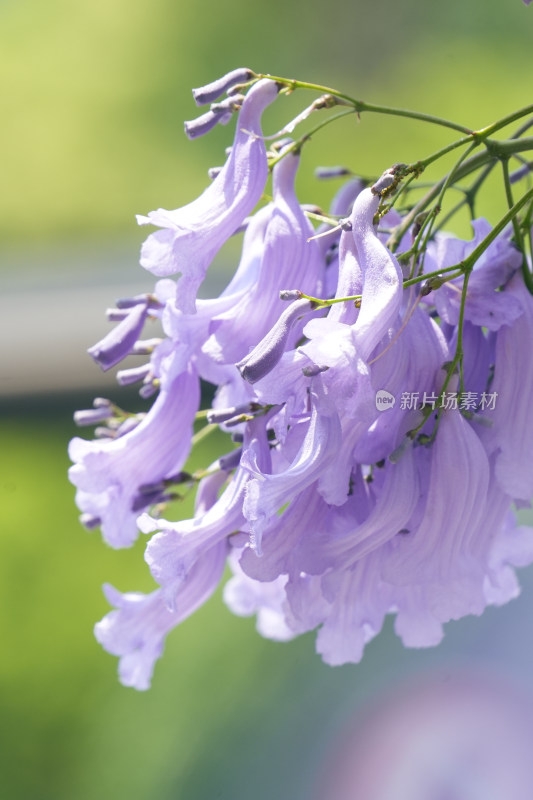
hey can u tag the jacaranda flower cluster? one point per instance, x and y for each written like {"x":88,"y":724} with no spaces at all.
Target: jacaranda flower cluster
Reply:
{"x":339,"y":501}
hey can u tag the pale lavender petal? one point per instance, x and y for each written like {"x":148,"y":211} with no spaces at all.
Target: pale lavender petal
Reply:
{"x":484,"y":305}
{"x":410,"y":361}
{"x":382,"y":277}
{"x":108,"y":473}
{"x":284,"y":259}
{"x":136,"y":630}
{"x":395,"y":501}
{"x":267,"y":493}
{"x":281,"y":539}
{"x":171,"y":552}
{"x":478,"y":357}
{"x":192,"y":235}
{"x":512,"y":547}
{"x":359,"y":603}
{"x":246,"y":597}
{"x":440,"y":559}
{"x":511,"y":434}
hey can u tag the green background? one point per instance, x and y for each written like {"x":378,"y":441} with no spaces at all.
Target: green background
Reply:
{"x":93,"y":99}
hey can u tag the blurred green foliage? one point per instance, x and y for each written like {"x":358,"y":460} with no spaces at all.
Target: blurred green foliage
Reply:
{"x":68,"y":729}
{"x":93,"y":99}
{"x":95,"y":94}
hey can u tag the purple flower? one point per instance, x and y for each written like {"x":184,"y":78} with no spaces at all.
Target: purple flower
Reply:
{"x":192,"y":235}
{"x":484,"y":305}
{"x":333,"y":509}
{"x":277,"y":254}
{"x":136,"y":630}
{"x":267,"y":492}
{"x":110,"y":474}
{"x":510,"y":436}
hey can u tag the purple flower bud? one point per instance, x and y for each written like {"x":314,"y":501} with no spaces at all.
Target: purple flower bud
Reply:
{"x":384,"y":182}
{"x":230,"y":460}
{"x":101,"y":402}
{"x":129,"y":302}
{"x":268,"y":352}
{"x":145,"y":347}
{"x":104,"y":433}
{"x":212,"y":91}
{"x":127,"y":376}
{"x":232,"y":103}
{"x":203,"y":124}
{"x":148,"y":390}
{"x":521,"y":172}
{"x":324,"y":173}
{"x":313,"y":370}
{"x":290,"y":294}
{"x":129,"y":424}
{"x":119,"y":342}
{"x":91,"y":416}
{"x":116,"y":314}
{"x":218,"y":416}
{"x":145,"y":499}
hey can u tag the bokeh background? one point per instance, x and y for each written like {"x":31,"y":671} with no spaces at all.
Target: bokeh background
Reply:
{"x":94,"y":95}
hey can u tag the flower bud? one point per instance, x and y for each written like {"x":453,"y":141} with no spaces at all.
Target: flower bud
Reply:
{"x":212,"y":91}
{"x":264,"y":357}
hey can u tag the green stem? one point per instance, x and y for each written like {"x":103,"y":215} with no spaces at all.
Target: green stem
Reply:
{"x":360,"y":106}
{"x":435,"y":274}
{"x":458,"y":358}
{"x":202,"y":433}
{"x":296,"y":145}
{"x":496,"y":126}
{"x":509,"y":195}
{"x":446,"y":184}
{"x":505,"y":148}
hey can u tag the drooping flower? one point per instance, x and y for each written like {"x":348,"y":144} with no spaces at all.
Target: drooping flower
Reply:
{"x":361,"y":479}
{"x":136,"y":630}
{"x":510,"y":434}
{"x":114,"y":477}
{"x":191,"y":236}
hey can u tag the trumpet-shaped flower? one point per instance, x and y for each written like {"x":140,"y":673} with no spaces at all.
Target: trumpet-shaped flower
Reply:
{"x":380,"y":433}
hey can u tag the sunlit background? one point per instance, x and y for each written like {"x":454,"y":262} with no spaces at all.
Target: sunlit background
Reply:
{"x":94,"y":95}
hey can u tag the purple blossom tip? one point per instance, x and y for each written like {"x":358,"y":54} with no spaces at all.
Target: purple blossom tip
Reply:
{"x":91,"y":416}
{"x":206,"y":122}
{"x":325,"y":173}
{"x":212,"y":91}
{"x":264,"y":357}
{"x":118,"y":343}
